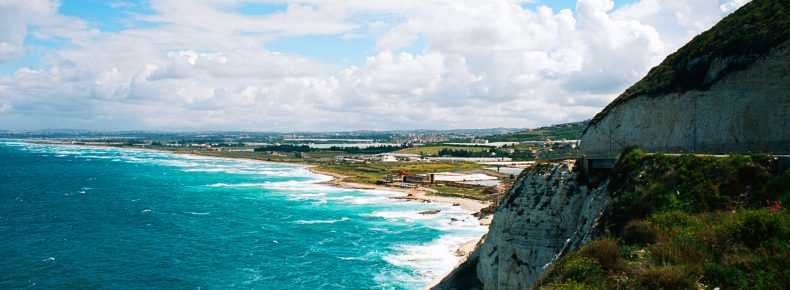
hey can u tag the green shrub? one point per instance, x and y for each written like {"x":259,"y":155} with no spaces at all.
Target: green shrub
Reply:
{"x":606,"y":252}
{"x":569,"y":285}
{"x":642,"y":184}
{"x":754,"y":227}
{"x":581,"y":269}
{"x":718,"y":275}
{"x":639,"y":232}
{"x":665,"y":277}
{"x":672,"y":220}
{"x":677,"y":253}
{"x":778,"y":189}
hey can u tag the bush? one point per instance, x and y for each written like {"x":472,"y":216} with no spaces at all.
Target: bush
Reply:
{"x":674,"y":220}
{"x":642,"y":184}
{"x":752,"y":228}
{"x":639,"y":232}
{"x":569,"y":285}
{"x":581,"y":268}
{"x":605,"y":252}
{"x":677,"y":253}
{"x":575,"y":271}
{"x":665,"y":277}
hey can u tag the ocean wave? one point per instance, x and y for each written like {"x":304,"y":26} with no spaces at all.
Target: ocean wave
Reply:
{"x":248,"y":184}
{"x":309,"y":222}
{"x":368,"y":200}
{"x":404,"y":215}
{"x":428,"y":261}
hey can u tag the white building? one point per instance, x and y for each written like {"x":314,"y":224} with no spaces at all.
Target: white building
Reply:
{"x":388,"y":158}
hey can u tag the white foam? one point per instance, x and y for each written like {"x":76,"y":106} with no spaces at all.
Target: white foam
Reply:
{"x":261,"y":184}
{"x":428,"y":260}
{"x":305,"y":222}
{"x":410,"y":215}
{"x":363,"y":200}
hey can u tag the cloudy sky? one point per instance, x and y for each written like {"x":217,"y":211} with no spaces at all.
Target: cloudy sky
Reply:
{"x":330,"y":64}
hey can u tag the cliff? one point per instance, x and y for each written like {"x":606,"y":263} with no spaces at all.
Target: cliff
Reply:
{"x":550,"y":210}
{"x":724,"y":91}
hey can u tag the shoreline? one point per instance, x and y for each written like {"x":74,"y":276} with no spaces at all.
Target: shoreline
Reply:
{"x":415,"y":194}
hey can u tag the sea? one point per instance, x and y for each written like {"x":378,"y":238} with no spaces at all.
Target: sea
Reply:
{"x":96,"y":217}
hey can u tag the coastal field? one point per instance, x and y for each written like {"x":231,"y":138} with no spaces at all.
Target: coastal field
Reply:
{"x":434,"y":150}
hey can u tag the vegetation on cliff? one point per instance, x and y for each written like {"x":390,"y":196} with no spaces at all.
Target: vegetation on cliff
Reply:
{"x":679,"y":222}
{"x":737,"y":41}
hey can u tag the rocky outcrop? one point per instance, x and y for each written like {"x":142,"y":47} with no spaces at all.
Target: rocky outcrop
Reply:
{"x":550,"y":210}
{"x":745,"y":111}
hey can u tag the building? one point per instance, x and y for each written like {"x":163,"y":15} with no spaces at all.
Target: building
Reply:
{"x":388,"y":158}
{"x":414,"y":178}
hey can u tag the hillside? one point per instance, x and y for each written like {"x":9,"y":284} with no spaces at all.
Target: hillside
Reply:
{"x":677,"y":222}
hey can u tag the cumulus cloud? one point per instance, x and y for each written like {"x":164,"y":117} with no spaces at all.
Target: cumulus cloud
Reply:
{"x":15,"y":17}
{"x":203,"y":65}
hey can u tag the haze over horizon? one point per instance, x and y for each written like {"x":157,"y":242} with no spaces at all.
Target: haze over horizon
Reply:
{"x":330,"y":65}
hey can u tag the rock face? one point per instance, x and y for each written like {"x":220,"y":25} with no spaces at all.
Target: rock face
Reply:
{"x":745,"y":111}
{"x":550,"y":210}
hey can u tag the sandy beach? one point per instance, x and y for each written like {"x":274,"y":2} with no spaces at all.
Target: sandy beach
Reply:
{"x":411,"y":193}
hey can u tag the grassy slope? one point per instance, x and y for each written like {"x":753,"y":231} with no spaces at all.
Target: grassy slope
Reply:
{"x":741,"y":38}
{"x":686,"y":221}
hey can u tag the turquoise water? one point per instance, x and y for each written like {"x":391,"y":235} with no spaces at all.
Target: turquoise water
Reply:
{"x":83,"y":217}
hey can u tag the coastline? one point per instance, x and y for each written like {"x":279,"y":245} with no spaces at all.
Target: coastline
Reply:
{"x":415,"y":194}
{"x":463,"y":251}
{"x":468,"y":204}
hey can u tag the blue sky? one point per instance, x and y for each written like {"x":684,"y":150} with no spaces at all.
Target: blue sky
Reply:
{"x":319,"y":65}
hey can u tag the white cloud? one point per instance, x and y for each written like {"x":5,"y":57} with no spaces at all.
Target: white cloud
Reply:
{"x":5,"y":106}
{"x":15,"y":17}
{"x":485,"y":64}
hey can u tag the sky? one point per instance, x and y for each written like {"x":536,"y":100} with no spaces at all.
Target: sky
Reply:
{"x":329,"y":65}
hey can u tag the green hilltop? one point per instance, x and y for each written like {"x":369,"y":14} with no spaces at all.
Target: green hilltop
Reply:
{"x":739,"y":39}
